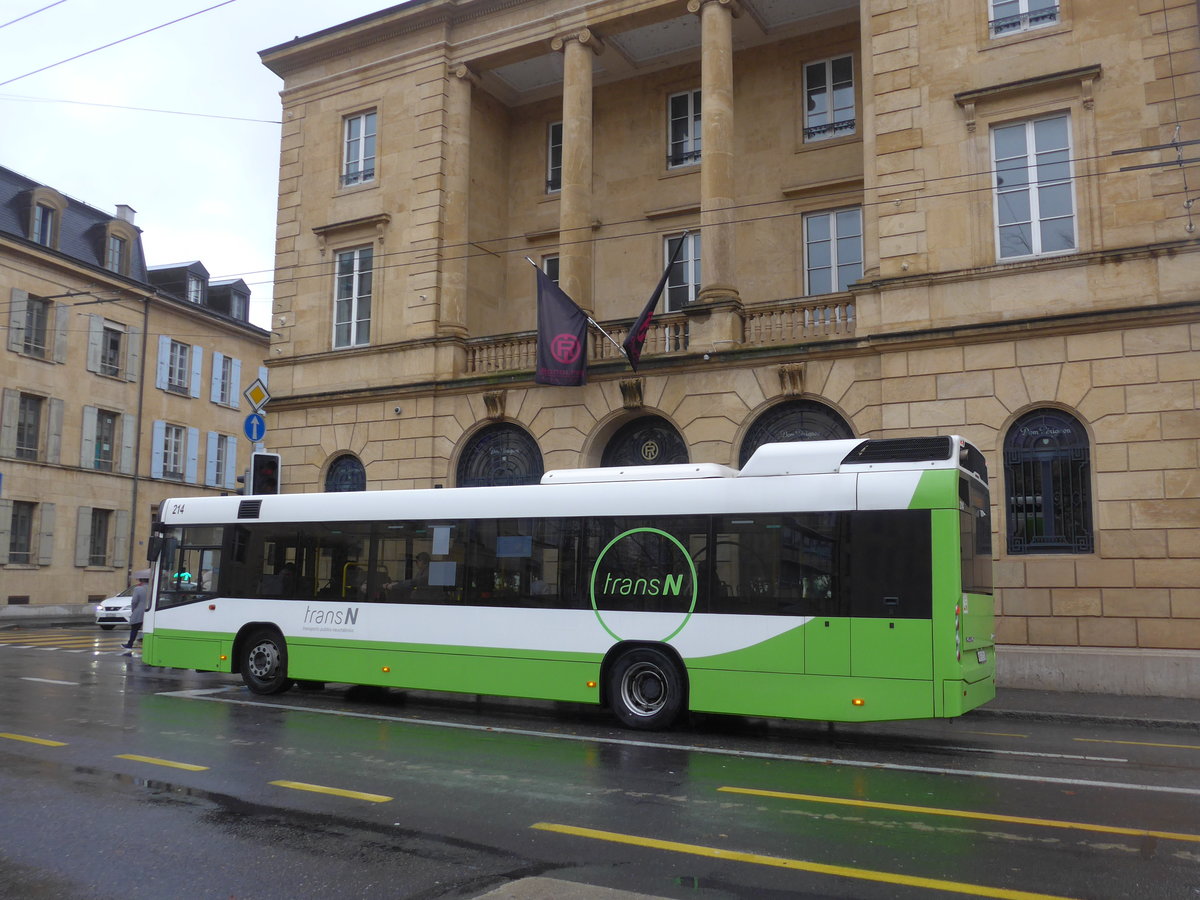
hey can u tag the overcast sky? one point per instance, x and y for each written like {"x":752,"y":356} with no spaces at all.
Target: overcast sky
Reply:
{"x":204,"y":188}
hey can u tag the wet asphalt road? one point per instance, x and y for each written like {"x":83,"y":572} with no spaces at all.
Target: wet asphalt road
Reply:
{"x":121,"y":780}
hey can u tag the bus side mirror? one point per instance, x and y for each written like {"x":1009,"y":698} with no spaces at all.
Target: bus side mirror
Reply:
{"x":153,"y":548}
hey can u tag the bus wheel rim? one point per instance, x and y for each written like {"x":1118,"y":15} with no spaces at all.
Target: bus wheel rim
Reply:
{"x":644,"y":689}
{"x":263,"y":660}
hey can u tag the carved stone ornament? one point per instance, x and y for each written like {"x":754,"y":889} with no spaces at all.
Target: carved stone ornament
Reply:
{"x":631,"y":393}
{"x":791,"y":379}
{"x":494,"y":403}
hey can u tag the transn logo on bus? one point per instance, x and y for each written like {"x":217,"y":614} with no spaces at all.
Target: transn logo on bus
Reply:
{"x":347,"y":616}
{"x":643,"y":570}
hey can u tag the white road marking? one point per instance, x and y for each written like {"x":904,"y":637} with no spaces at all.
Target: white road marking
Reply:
{"x":49,"y":681}
{"x":209,"y":694}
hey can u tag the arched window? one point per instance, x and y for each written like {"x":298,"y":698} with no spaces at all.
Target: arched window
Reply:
{"x":794,"y":420}
{"x":346,"y":473}
{"x":500,"y":454}
{"x":648,"y":441}
{"x":1047,"y":484}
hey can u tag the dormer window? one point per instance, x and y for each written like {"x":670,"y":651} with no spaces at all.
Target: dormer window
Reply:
{"x":195,"y":289}
{"x":43,"y":225}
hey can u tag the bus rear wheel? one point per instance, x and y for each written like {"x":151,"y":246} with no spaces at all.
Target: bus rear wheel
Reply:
{"x":264,"y":662}
{"x":646,"y":689}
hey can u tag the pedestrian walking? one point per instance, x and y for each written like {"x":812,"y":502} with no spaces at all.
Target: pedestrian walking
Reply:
{"x":137,"y":610}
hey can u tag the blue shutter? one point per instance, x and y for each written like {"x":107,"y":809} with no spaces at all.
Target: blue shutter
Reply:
{"x":193,"y":455}
{"x":214,"y":383}
{"x":164,"y":362}
{"x":197,"y":367}
{"x":158,"y":432}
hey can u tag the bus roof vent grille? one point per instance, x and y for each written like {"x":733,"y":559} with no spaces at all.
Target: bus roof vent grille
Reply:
{"x":976,"y":463}
{"x":249,"y":509}
{"x":900,"y":450}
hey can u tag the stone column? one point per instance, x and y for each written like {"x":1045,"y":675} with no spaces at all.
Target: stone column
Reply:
{"x":452,"y":320}
{"x":575,"y":199}
{"x":716,"y":164}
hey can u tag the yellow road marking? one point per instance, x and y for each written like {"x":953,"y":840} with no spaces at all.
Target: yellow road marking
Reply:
{"x":999,"y":733}
{"x":32,"y":740}
{"x":155,"y":761}
{"x":967,"y":814}
{"x":337,"y":792}
{"x":958,"y":887}
{"x":1140,"y":744}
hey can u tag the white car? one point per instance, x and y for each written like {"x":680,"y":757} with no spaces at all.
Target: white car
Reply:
{"x":115,"y":610}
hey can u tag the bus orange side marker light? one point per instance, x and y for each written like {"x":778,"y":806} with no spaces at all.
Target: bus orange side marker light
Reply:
{"x":858,"y":701}
{"x":591,"y":684}
{"x":224,"y":657}
{"x":387,"y":668}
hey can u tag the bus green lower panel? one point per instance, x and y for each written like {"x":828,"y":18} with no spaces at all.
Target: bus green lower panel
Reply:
{"x":959,"y":697}
{"x":817,"y":697}
{"x":456,"y":670}
{"x":203,"y":653}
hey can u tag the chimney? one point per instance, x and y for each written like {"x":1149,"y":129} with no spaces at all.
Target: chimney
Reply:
{"x":126,"y":213}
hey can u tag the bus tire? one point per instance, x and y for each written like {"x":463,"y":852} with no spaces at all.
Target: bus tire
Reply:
{"x":646,"y":689}
{"x":264,"y":662}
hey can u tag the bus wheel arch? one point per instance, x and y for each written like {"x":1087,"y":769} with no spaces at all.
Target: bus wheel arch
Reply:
{"x":644,"y":684}
{"x":260,"y":655}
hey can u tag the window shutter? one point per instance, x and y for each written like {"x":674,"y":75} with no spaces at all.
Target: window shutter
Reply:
{"x":62,"y":318}
{"x":87,"y":447}
{"x":158,"y":432}
{"x":193,"y":455}
{"x":5,"y":529}
{"x":95,"y":335}
{"x":8,"y":422}
{"x":45,"y":547}
{"x":83,"y":535}
{"x":231,"y":445}
{"x":197,"y":371}
{"x":54,"y":431}
{"x":210,"y":459}
{"x":164,"y":362}
{"x":214,"y":382}
{"x":120,"y":545}
{"x":262,"y":376}
{"x":133,"y":354}
{"x":128,"y":437}
{"x":16,"y":334}
{"x":235,"y":380}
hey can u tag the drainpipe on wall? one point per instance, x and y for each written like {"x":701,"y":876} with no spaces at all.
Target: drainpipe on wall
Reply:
{"x":137,"y":441}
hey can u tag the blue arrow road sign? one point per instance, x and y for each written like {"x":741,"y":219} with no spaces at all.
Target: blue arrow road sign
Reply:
{"x":255,"y":427}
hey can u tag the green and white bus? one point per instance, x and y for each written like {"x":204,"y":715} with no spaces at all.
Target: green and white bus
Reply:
{"x":844,"y":581}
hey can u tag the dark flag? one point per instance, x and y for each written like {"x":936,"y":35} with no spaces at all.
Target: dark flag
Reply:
{"x":561,"y":336}
{"x":637,"y":333}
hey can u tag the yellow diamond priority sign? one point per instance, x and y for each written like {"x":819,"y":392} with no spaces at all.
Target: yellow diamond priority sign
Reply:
{"x":257,"y":394}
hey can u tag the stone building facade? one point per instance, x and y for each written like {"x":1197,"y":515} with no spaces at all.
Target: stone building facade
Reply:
{"x":896,"y":216}
{"x":120,"y":386}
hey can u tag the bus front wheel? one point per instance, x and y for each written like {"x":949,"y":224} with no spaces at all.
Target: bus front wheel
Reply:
{"x":646,"y":689}
{"x":264,"y":663}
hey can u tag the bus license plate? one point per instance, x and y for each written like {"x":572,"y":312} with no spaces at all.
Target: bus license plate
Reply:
{"x":981,"y":655}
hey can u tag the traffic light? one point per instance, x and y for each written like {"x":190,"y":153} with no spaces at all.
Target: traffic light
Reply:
{"x":264,"y":473}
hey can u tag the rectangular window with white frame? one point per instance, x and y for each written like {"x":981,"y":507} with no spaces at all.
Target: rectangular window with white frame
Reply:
{"x":226,"y":375}
{"x":554,"y":148}
{"x":550,"y":266}
{"x":1007,"y":17}
{"x":37,"y":327}
{"x":20,"y":535}
{"x":352,"y":298}
{"x":111,"y":351}
{"x":683,"y":282}
{"x":833,"y":250}
{"x":220,"y":462}
{"x":29,"y":426}
{"x":114,"y":259}
{"x":105,"y":449}
{"x":43,"y":225}
{"x":98,"y":539}
{"x":174,"y":438}
{"x":1033,"y":188}
{"x":829,"y":109}
{"x":683,"y":129}
{"x":358,"y":149}
{"x":178,"y":367}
